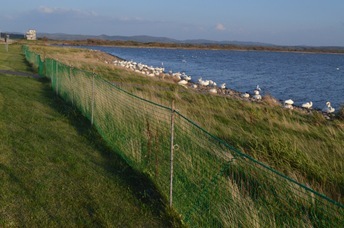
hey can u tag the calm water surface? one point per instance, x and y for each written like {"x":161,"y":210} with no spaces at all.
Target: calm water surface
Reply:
{"x":298,"y":76}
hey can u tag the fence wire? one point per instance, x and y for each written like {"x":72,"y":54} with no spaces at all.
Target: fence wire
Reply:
{"x":214,"y":185}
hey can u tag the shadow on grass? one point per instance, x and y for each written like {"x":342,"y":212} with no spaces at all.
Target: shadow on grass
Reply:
{"x":28,"y":193}
{"x":29,"y":67}
{"x":140,"y":185}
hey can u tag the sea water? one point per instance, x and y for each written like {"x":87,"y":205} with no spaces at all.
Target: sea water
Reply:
{"x":301,"y":77}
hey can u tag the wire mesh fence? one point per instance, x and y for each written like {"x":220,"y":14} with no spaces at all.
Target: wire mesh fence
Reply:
{"x":211,"y":183}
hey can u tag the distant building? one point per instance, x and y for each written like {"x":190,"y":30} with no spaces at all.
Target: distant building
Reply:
{"x":31,"y":34}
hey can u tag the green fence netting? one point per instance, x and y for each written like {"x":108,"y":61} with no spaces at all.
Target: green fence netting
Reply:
{"x":214,"y":185}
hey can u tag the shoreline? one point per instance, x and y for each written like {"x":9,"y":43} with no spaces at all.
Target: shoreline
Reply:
{"x":204,"y":89}
{"x":211,"y":47}
{"x":216,"y":90}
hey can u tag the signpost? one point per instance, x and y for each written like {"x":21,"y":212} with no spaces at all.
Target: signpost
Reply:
{"x":6,"y":42}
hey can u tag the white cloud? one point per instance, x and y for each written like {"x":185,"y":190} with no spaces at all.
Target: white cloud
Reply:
{"x":47,"y":10}
{"x":220,"y":27}
{"x":55,"y":10}
{"x":130,"y":19}
{"x":52,"y":10}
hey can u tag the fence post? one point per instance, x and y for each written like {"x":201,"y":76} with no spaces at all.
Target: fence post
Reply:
{"x":70,"y":78}
{"x":52,"y":73}
{"x":6,"y":42}
{"x":40,"y":65}
{"x":172,"y":154}
{"x":57,"y":79}
{"x":92,"y":104}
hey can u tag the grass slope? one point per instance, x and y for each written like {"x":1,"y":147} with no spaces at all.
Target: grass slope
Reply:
{"x":304,"y":146}
{"x":54,"y":168}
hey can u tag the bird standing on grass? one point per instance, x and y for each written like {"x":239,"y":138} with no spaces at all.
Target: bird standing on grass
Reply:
{"x":289,"y":104}
{"x":307,"y":105}
{"x":245,"y":95}
{"x":328,"y":108}
{"x":256,"y":95}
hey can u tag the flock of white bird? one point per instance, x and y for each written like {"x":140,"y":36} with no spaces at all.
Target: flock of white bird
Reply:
{"x":308,"y":105}
{"x":140,"y":68}
{"x":289,"y":103}
{"x":184,"y":80}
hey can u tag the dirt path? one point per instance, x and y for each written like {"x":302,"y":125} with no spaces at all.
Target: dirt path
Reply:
{"x":17,"y":73}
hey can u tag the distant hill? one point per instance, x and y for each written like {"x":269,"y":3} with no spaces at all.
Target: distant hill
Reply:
{"x":142,"y":39}
{"x":145,"y":39}
{"x":165,"y":40}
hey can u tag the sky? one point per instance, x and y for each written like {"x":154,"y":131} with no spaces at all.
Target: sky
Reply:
{"x":279,"y":22}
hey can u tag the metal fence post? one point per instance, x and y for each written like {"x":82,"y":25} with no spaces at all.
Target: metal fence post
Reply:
{"x":172,"y":154}
{"x":92,"y":104}
{"x":70,"y":78}
{"x":52,"y":73}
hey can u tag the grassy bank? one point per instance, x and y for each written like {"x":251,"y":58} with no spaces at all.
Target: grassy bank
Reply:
{"x":304,"y":146}
{"x":55,"y":170}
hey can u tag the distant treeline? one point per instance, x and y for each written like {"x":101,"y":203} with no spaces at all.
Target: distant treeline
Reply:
{"x":13,"y":36}
{"x":101,"y":42}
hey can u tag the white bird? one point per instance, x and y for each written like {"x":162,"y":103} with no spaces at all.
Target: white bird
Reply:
{"x":256,"y":92}
{"x":258,"y":88}
{"x":212,"y":83}
{"x":246,"y":95}
{"x":328,"y":108}
{"x":185,"y":77}
{"x":223,"y":86}
{"x":183,"y":82}
{"x":177,"y":76}
{"x":194,"y":86}
{"x":256,"y":95}
{"x":289,"y":104}
{"x":307,"y":105}
{"x":203,"y":83}
{"x":213,"y":90}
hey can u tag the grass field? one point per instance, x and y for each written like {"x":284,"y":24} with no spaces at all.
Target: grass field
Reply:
{"x":55,"y":170}
{"x":304,"y":146}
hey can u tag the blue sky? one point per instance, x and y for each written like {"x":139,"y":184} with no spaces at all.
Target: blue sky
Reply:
{"x":281,"y":22}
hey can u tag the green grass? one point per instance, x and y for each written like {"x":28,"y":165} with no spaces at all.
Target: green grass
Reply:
{"x":11,"y":61}
{"x":306,"y":147}
{"x":55,"y":170}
